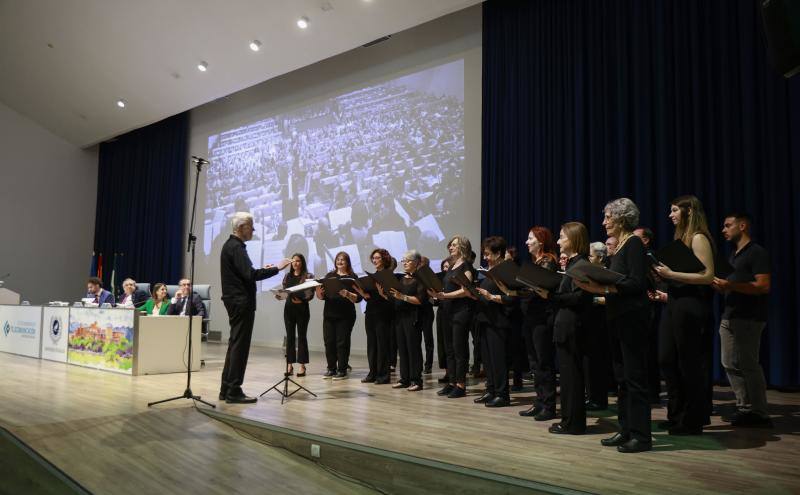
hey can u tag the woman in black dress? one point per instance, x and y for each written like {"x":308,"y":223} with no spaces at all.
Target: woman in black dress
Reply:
{"x":627,"y":313}
{"x":377,"y":322}
{"x":338,"y":318}
{"x":457,"y":310}
{"x":568,"y":330}
{"x":685,"y":322}
{"x":296,"y":315}
{"x":494,"y":316}
{"x":407,"y":302}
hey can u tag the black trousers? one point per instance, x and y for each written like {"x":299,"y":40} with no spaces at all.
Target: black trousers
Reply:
{"x":477,"y":359}
{"x":544,"y":374}
{"x":629,"y":345}
{"x":336,"y":334}
{"x":457,"y":328}
{"x":392,"y":346}
{"x":530,"y":347}
{"x":653,"y":369}
{"x":597,"y":362}
{"x":241,"y":320}
{"x":681,"y":344}
{"x":426,"y":321}
{"x":409,"y":345}
{"x":516,"y":355}
{"x":495,"y":362}
{"x":570,"y":360}
{"x":441,"y":352}
{"x":296,"y":316}
{"x":378,"y":334}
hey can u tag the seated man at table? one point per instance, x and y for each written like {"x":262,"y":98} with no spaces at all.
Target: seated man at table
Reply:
{"x":182,"y":304}
{"x":131,"y":297}
{"x":94,"y":289}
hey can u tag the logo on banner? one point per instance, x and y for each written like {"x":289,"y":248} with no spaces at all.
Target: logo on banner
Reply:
{"x":55,"y":329}
{"x":6,"y":329}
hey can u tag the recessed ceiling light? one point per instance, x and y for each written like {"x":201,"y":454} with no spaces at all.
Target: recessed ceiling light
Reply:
{"x":302,"y":23}
{"x":255,"y":45}
{"x":121,"y":103}
{"x":202,"y":66}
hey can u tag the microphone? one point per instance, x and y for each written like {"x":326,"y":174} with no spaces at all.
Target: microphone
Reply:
{"x":201,"y":161}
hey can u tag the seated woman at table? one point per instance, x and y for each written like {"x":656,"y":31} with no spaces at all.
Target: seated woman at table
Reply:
{"x":158,"y":304}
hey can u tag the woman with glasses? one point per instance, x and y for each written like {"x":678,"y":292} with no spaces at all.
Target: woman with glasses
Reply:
{"x":406,"y":323}
{"x":377,"y":321}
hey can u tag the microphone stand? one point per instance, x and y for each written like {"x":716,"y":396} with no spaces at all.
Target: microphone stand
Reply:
{"x":188,"y":394}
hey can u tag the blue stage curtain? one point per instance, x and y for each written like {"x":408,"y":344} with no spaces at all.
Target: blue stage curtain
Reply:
{"x":141,"y":202}
{"x":588,"y":100}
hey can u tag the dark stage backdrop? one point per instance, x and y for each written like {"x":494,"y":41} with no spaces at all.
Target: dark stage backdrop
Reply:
{"x":141,"y":202}
{"x":588,"y":100}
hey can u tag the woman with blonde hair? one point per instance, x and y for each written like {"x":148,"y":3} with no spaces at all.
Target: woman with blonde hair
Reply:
{"x":684,"y":321}
{"x":457,"y":308}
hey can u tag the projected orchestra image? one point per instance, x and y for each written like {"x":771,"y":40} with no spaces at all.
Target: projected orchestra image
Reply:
{"x":382,"y":165}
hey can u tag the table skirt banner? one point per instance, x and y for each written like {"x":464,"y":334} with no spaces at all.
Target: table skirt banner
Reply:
{"x":54,"y":333}
{"x":101,"y":338}
{"x":21,"y":330}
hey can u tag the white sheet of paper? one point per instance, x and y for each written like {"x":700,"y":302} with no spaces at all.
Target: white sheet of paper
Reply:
{"x":428,"y":223}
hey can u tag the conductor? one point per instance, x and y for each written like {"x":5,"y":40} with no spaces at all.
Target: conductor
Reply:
{"x":239,"y":296}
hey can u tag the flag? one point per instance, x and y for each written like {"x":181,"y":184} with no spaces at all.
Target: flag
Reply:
{"x":100,"y":266}
{"x":93,"y":265}
{"x":114,"y":276}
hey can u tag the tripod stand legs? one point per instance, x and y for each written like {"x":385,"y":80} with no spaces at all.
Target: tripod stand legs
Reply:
{"x":285,"y":394}
{"x":187,"y":394}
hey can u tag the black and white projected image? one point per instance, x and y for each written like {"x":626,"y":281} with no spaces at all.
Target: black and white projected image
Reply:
{"x":381,"y":166}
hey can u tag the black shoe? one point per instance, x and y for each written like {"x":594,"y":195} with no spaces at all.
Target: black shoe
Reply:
{"x":560,"y":430}
{"x":445,"y":390}
{"x":751,"y":420}
{"x":329,"y":374}
{"x":594,"y":406}
{"x":203,"y":337}
{"x":223,"y":394}
{"x":498,"y":402}
{"x":614,"y":440}
{"x":382,"y":381}
{"x":545,"y":415}
{"x":240,"y":398}
{"x":427,"y":371}
{"x":340,"y":376}
{"x":633,"y":445}
{"x":484,"y":398}
{"x":368,"y":379}
{"x":457,"y":393}
{"x":680,"y":430}
{"x":666,"y":425}
{"x":444,"y":379}
{"x":531,"y":411}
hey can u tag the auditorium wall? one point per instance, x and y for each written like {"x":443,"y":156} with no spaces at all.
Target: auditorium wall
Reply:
{"x":48,"y":191}
{"x":417,"y":58}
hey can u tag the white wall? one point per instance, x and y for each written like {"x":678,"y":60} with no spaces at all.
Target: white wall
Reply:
{"x":48,"y":191}
{"x":452,"y":37}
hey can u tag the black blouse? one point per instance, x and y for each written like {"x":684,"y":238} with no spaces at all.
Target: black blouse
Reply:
{"x":497,"y":315}
{"x":377,"y":305}
{"x":631,"y":261}
{"x":290,"y":280}
{"x":336,"y":306}
{"x":460,"y":304}
{"x":573,"y":305}
{"x":536,"y":309}
{"x":411,"y":287}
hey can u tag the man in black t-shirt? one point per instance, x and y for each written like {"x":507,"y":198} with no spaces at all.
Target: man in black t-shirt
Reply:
{"x":743,"y":321}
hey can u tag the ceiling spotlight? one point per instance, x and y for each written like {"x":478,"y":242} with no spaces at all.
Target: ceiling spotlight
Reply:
{"x":302,"y":23}
{"x":121,"y":103}
{"x":255,"y":45}
{"x":202,"y":66}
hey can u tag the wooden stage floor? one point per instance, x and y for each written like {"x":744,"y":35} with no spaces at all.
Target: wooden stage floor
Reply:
{"x":96,"y":427}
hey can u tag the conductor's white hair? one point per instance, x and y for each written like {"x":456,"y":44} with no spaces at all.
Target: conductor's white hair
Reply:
{"x":240,"y":218}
